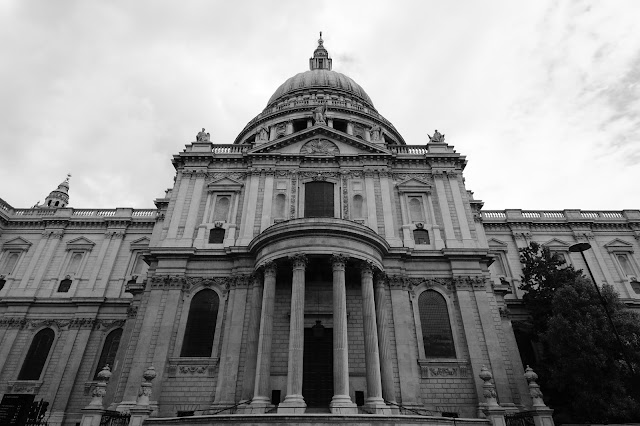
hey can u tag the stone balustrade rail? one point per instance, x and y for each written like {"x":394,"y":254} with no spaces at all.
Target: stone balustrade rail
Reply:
{"x":514,"y":215}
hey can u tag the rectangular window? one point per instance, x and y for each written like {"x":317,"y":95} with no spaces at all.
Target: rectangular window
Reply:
{"x":318,"y":199}
{"x":623,"y":260}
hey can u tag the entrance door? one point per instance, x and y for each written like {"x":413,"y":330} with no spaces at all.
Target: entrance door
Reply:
{"x":317,"y":379}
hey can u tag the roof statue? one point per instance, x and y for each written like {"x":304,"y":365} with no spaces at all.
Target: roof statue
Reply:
{"x":319,"y":114}
{"x":202,"y":136}
{"x":436,"y":138}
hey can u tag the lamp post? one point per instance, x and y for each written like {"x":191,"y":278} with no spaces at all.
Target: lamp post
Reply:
{"x":581,"y":248}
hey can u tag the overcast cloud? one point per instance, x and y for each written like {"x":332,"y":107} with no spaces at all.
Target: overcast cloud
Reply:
{"x":542,"y":97}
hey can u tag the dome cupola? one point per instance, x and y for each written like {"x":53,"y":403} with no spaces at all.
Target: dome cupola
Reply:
{"x":320,"y":60}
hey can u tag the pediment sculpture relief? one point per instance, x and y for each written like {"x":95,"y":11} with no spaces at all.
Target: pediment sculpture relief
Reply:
{"x":320,"y":147}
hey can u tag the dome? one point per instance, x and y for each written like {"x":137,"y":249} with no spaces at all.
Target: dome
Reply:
{"x":320,"y":78}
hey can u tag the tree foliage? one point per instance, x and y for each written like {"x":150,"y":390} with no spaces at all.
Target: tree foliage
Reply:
{"x":586,"y":376}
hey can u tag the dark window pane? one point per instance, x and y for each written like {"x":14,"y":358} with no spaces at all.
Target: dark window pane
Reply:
{"x":318,"y":199}
{"x":37,"y":355}
{"x":216,"y":236}
{"x":108,"y":355}
{"x":201,"y":324}
{"x":436,"y":328}
{"x":64,"y":286}
{"x":421,"y":236}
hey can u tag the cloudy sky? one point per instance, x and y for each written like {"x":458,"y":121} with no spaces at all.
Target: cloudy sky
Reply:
{"x":543,"y":97}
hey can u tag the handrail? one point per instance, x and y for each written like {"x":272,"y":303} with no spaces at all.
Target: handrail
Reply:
{"x":227,"y":408}
{"x":410,"y":409}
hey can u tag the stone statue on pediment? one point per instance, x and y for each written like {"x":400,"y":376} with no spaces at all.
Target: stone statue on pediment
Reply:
{"x":203,"y":137}
{"x":375,"y":133}
{"x":437,"y":137}
{"x":319,"y":114}
{"x":262,"y":133}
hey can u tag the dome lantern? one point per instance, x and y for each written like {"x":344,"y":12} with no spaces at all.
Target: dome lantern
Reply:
{"x":59,"y":197}
{"x":320,"y":60}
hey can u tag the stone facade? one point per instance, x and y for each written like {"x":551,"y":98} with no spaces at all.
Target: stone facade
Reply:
{"x":318,"y":229}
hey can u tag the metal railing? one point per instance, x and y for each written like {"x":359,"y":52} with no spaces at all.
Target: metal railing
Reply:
{"x":519,"y":419}
{"x":115,"y":418}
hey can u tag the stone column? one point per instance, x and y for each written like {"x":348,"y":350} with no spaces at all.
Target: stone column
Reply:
{"x":253,"y":333}
{"x":261,"y":399}
{"x":374,"y":401}
{"x":382,"y":319}
{"x":294,"y":401}
{"x":341,"y":402}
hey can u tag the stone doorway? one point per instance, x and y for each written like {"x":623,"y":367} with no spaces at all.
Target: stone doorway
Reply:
{"x":317,"y":379}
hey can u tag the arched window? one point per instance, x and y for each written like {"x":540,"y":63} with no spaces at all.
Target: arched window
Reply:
{"x":10,"y":263}
{"x":74,"y":263}
{"x":357,"y":206}
{"x":221,"y":211}
{"x":436,"y":328}
{"x":318,"y":199}
{"x":37,"y":355}
{"x":279,"y":206}
{"x":109,"y":350}
{"x":216,"y":236}
{"x":415,"y":209}
{"x":201,"y":325}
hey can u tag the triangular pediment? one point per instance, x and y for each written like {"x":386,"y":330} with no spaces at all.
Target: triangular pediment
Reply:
{"x":224,"y":183}
{"x":495,"y":244}
{"x":619,"y":245}
{"x":140,"y":243}
{"x":80,"y":243}
{"x":319,"y":141}
{"x":555,"y":243}
{"x":17,"y":243}
{"x":414,"y":184}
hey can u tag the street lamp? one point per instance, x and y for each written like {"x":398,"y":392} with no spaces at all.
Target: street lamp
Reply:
{"x":581,"y":248}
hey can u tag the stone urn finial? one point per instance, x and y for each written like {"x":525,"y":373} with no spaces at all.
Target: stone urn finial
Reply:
{"x":488,"y":388}
{"x":145,"y":388}
{"x":534,"y":388}
{"x":100,"y":390}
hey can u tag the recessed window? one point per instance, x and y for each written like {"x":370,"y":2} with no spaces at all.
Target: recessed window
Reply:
{"x":299,"y":125}
{"x":216,"y":236}
{"x":138,"y":267}
{"x":318,"y":199}
{"x":357,"y":206}
{"x":497,"y":267}
{"x":37,"y":355}
{"x":109,"y":350}
{"x":74,"y":263}
{"x":421,"y":236}
{"x":279,"y":206}
{"x":10,"y":263}
{"x":340,"y":125}
{"x":221,"y":210}
{"x":415,"y":209}
{"x":623,"y":260}
{"x":635,"y":285}
{"x":436,"y":328}
{"x":201,"y":325}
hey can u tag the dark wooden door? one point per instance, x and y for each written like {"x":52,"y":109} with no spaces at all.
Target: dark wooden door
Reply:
{"x":317,"y":379}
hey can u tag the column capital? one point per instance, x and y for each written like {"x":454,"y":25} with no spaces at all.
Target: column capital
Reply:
{"x":299,"y":261}
{"x":379,"y":278}
{"x":269,"y":268}
{"x":367,"y":267}
{"x":339,"y":261}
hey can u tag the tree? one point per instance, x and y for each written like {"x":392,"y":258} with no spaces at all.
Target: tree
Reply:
{"x":586,"y":377}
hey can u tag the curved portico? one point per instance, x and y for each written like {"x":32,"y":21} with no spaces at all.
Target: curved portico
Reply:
{"x":319,"y":236}
{"x":327,"y":244}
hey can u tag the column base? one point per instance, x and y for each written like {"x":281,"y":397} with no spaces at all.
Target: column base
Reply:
{"x":342,"y":404}
{"x":292,"y":404}
{"x":258,"y":405}
{"x":377,"y":406}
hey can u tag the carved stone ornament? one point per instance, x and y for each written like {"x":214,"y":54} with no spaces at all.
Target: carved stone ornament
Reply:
{"x":299,"y":260}
{"x":339,"y":260}
{"x":470,"y":283}
{"x":320,"y":147}
{"x":442,"y":370}
{"x":488,"y":388}
{"x":375,"y":133}
{"x":294,"y":189}
{"x":132,"y":311}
